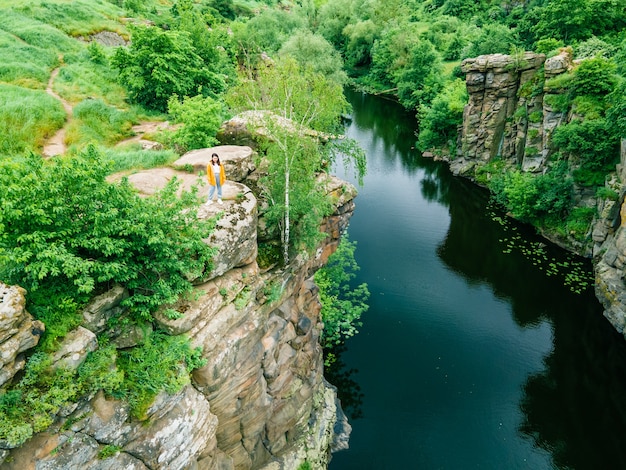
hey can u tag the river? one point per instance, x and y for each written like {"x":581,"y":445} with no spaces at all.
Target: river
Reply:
{"x":471,"y":355}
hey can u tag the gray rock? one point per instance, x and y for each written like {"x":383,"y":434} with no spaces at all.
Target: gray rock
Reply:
{"x":74,"y":348}
{"x":18,"y":331}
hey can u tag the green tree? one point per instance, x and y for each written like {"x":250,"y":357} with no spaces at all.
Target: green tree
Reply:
{"x":439,"y":121}
{"x":391,"y":53}
{"x":565,"y":19}
{"x":296,"y":100}
{"x":313,"y":51}
{"x":342,"y":305}
{"x":616,"y":114}
{"x":332,"y":18}
{"x":420,"y":80}
{"x":266,"y":32}
{"x":159,"y":64}
{"x":493,"y":38}
{"x":201,"y":118}
{"x":65,"y":232}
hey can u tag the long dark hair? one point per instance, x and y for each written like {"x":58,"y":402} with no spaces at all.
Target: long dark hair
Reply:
{"x":218,"y":159}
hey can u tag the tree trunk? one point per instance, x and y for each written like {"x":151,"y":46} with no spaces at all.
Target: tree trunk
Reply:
{"x":287,"y":221}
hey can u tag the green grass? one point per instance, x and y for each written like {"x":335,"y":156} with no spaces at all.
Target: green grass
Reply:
{"x":28,"y":117}
{"x":37,"y":33}
{"x":448,"y":66}
{"x":74,"y":17}
{"x":95,"y":122}
{"x":134,"y":158}
{"x":80,"y":80}
{"x":24,"y":64}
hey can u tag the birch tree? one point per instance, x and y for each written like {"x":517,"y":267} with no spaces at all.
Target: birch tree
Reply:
{"x":296,"y":110}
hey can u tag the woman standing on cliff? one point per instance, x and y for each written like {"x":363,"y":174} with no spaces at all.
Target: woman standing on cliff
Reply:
{"x":216,"y":175}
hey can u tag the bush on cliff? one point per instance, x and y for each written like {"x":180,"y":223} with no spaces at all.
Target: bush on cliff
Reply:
{"x":540,"y":199}
{"x":342,"y":305}
{"x":592,"y":147}
{"x":65,"y":233}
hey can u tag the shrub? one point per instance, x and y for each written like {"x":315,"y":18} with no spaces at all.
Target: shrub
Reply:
{"x":579,"y":221}
{"x":591,"y":144}
{"x":32,"y":405}
{"x":66,"y":230}
{"x":537,"y":199}
{"x":594,"y":47}
{"x":201,"y":118}
{"x":342,"y":305}
{"x":548,"y":45}
{"x":595,"y":77}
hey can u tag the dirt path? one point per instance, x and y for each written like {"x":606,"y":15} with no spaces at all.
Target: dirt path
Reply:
{"x":56,"y":144}
{"x":140,"y":130}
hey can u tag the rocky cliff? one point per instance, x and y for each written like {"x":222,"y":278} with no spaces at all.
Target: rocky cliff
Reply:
{"x":260,"y":402}
{"x":509,"y":116}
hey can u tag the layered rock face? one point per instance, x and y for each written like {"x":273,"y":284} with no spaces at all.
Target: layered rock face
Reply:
{"x":18,"y":331}
{"x":610,"y":262}
{"x":261,"y":401}
{"x":508,"y":114}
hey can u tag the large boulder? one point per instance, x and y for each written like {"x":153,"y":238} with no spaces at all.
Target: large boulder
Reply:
{"x":238,"y":160}
{"x":18,"y":331}
{"x":235,"y":234}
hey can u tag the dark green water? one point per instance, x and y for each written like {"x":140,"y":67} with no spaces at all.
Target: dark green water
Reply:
{"x":470,"y":357}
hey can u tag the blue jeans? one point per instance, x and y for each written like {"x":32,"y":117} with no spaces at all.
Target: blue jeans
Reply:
{"x":212,"y":190}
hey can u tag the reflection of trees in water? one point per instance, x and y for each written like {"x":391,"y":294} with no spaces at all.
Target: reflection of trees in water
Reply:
{"x":576,"y":408}
{"x":435,"y":185}
{"x":348,"y":391}
{"x":394,"y":132}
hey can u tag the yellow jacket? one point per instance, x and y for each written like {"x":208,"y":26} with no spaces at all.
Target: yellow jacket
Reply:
{"x":211,"y":176}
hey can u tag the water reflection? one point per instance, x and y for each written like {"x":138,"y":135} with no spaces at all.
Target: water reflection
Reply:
{"x":344,"y":378}
{"x":576,"y":408}
{"x":467,"y":345}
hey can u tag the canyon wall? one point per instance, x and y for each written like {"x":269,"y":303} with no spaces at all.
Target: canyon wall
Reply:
{"x":259,"y":402}
{"x":509,"y":116}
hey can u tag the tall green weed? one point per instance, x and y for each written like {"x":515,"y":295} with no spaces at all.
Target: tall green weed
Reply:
{"x":28,"y":117}
{"x":37,"y":32}
{"x":94,"y":122}
{"x":82,"y":79}
{"x":135,"y":158}
{"x":78,"y":17}
{"x":24,"y":64}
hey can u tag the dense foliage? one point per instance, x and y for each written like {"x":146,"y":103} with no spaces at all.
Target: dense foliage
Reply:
{"x":67,"y":232}
{"x":342,"y":303}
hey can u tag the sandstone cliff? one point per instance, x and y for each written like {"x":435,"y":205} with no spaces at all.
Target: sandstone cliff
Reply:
{"x":509,"y":116}
{"x":260,"y":401}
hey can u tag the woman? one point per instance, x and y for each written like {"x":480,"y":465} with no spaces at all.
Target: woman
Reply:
{"x":216,"y":175}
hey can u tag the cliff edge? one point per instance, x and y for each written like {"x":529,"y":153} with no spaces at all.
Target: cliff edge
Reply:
{"x":259,"y":402}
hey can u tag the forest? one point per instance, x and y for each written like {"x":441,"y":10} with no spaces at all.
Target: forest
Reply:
{"x":66,"y":233}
